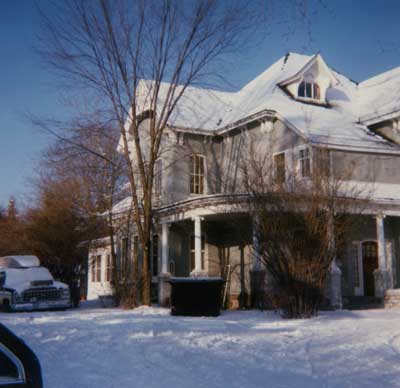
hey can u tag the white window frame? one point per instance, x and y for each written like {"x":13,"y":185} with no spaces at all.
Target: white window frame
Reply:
{"x":309,"y":80}
{"x":300,"y":159}
{"x":194,"y":174}
{"x":108,"y":268}
{"x":96,"y":269}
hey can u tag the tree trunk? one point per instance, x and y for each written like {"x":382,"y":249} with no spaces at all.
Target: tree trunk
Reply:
{"x":146,"y":277}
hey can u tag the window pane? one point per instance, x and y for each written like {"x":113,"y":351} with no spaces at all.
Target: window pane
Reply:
{"x":197,"y":174}
{"x":308,"y":90}
{"x":301,"y":92}
{"x":316,"y":92}
{"x":305,"y":162}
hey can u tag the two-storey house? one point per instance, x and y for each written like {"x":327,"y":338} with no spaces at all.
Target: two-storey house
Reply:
{"x":298,"y":106}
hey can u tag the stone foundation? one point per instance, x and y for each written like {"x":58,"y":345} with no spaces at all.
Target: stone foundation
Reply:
{"x":392,"y":298}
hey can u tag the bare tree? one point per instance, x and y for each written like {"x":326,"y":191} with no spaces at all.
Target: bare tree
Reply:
{"x":141,"y":56}
{"x":302,"y":224}
{"x":83,"y":160}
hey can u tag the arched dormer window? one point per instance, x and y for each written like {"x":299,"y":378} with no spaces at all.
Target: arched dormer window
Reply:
{"x":309,"y":89}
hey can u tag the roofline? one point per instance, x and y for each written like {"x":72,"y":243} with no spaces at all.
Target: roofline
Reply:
{"x":229,"y":127}
{"x":370,"y":120}
{"x":305,"y":68}
{"x":273,"y":114}
{"x":340,"y":147}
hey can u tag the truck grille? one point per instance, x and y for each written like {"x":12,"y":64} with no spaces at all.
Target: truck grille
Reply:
{"x":41,"y":294}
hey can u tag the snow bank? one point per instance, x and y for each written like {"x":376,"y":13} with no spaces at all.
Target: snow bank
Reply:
{"x":94,"y":347}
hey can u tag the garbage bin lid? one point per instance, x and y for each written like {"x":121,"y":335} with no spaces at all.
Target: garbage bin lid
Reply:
{"x":201,"y":279}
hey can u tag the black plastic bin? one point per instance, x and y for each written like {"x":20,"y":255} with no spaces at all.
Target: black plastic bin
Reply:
{"x":196,"y":296}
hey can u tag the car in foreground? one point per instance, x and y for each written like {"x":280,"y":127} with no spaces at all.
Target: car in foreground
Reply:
{"x":19,"y":366}
{"x":26,"y":285}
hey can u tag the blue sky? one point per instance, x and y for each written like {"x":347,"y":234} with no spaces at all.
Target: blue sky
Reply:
{"x":358,"y":38}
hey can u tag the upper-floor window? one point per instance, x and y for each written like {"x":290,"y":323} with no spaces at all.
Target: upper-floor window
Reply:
{"x":96,"y":269}
{"x":158,"y":177}
{"x":197,"y":174}
{"x":279,"y":168}
{"x":309,"y":89}
{"x":305,"y":162}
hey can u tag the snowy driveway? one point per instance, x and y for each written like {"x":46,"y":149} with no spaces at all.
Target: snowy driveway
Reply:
{"x":94,"y":347}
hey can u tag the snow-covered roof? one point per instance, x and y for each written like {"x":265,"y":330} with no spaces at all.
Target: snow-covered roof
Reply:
{"x":379,"y":96}
{"x":22,"y":279}
{"x":19,"y":261}
{"x":336,"y":125}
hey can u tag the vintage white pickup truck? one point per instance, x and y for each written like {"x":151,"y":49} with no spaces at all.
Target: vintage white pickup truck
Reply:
{"x":25,"y":285}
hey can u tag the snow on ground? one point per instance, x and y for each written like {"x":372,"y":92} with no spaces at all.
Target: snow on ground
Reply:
{"x":96,"y":347}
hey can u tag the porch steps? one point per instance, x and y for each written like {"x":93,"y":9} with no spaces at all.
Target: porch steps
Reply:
{"x":362,"y":303}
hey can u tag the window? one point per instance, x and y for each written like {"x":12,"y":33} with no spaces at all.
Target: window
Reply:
{"x":323,"y":162}
{"x":192,"y":252}
{"x":96,"y":269}
{"x":309,"y":89}
{"x":279,"y":168}
{"x":158,"y":178}
{"x":155,"y":256}
{"x":305,"y":162}
{"x":197,"y":174}
{"x":109,"y":268}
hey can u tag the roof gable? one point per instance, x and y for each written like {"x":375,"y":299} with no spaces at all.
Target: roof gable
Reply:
{"x":315,"y":61}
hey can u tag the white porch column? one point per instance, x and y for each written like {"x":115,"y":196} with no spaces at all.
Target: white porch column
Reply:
{"x":165,"y":248}
{"x":164,"y":287}
{"x":381,"y":274}
{"x":380,"y":231}
{"x":198,"y":269}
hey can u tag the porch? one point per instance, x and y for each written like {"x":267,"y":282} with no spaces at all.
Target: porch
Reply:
{"x":216,"y":240}
{"x":209,"y":246}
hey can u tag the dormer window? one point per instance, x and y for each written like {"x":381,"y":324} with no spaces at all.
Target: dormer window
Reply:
{"x":309,"y":89}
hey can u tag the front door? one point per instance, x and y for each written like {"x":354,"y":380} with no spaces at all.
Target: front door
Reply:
{"x":370,"y":264}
